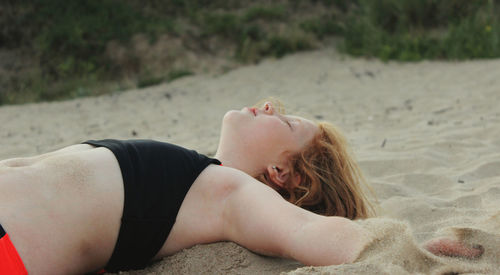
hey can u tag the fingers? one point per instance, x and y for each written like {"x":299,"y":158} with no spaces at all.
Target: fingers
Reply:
{"x":453,"y":248}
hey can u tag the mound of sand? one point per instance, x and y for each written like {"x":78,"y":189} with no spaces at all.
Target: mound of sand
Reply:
{"x":427,"y":136}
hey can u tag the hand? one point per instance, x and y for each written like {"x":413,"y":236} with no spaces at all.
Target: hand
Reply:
{"x":453,"y":248}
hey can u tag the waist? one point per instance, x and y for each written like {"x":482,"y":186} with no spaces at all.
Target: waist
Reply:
{"x":63,"y":212}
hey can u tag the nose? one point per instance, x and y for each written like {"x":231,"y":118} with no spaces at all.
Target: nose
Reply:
{"x":268,"y":108}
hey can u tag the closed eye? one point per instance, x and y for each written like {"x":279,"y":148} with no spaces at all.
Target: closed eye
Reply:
{"x":288,"y":123}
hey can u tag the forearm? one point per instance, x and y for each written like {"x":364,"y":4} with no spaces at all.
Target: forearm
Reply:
{"x":328,"y":241}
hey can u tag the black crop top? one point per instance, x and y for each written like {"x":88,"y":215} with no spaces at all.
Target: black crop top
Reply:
{"x":156,"y":177}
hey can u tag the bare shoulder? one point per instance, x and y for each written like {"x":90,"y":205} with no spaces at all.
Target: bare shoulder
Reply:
{"x":201,"y":215}
{"x":227,"y":182}
{"x":211,"y":206}
{"x":220,"y":181}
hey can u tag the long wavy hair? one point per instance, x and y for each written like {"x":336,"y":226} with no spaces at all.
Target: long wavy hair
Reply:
{"x":331,"y":182}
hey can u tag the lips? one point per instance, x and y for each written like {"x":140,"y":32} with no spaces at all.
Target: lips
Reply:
{"x":254,"y":111}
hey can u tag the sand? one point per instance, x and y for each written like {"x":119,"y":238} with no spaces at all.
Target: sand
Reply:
{"x":427,"y":136}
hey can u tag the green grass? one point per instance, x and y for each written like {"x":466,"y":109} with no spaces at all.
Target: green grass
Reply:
{"x":410,"y":30}
{"x":268,"y":13}
{"x":176,"y":74}
{"x":474,"y":37}
{"x":148,"y":79}
{"x":323,"y":26}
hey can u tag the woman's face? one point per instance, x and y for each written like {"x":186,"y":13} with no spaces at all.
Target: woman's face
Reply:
{"x":267,"y":134}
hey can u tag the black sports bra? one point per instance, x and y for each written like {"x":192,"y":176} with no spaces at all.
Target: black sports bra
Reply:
{"x":156,"y":177}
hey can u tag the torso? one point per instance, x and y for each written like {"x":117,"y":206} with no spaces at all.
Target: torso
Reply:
{"x":68,"y":202}
{"x":63,"y":209}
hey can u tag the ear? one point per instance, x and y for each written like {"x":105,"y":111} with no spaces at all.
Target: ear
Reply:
{"x":279,"y":175}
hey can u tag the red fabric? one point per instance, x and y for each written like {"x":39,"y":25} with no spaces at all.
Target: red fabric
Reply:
{"x":10,"y":262}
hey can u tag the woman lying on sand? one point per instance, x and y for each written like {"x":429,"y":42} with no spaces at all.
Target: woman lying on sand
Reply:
{"x":118,"y":205}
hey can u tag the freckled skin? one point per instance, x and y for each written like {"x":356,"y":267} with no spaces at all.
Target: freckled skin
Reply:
{"x":70,"y":171}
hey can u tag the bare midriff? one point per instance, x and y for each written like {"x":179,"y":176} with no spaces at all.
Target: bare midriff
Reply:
{"x":68,"y":202}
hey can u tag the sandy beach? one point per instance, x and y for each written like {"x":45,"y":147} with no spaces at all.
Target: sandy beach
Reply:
{"x":427,"y":137}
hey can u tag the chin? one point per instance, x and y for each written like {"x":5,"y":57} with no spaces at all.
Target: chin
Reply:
{"x":231,"y":121}
{"x":236,"y":118}
{"x":230,"y":114}
{"x":229,"y":117}
{"x":237,"y":125}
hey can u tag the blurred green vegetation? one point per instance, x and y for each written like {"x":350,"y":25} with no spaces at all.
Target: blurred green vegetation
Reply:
{"x":69,"y":39}
{"x":411,"y":30}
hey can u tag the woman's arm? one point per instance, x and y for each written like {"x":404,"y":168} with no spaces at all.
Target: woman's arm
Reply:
{"x":256,"y":217}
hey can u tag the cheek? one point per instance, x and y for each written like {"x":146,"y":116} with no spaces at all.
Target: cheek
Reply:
{"x":273,"y":131}
{"x":259,"y":132}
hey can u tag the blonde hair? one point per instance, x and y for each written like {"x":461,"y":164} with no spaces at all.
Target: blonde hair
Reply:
{"x":331,"y":182}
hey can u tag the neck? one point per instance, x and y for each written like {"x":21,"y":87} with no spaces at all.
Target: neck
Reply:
{"x":237,"y":161}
